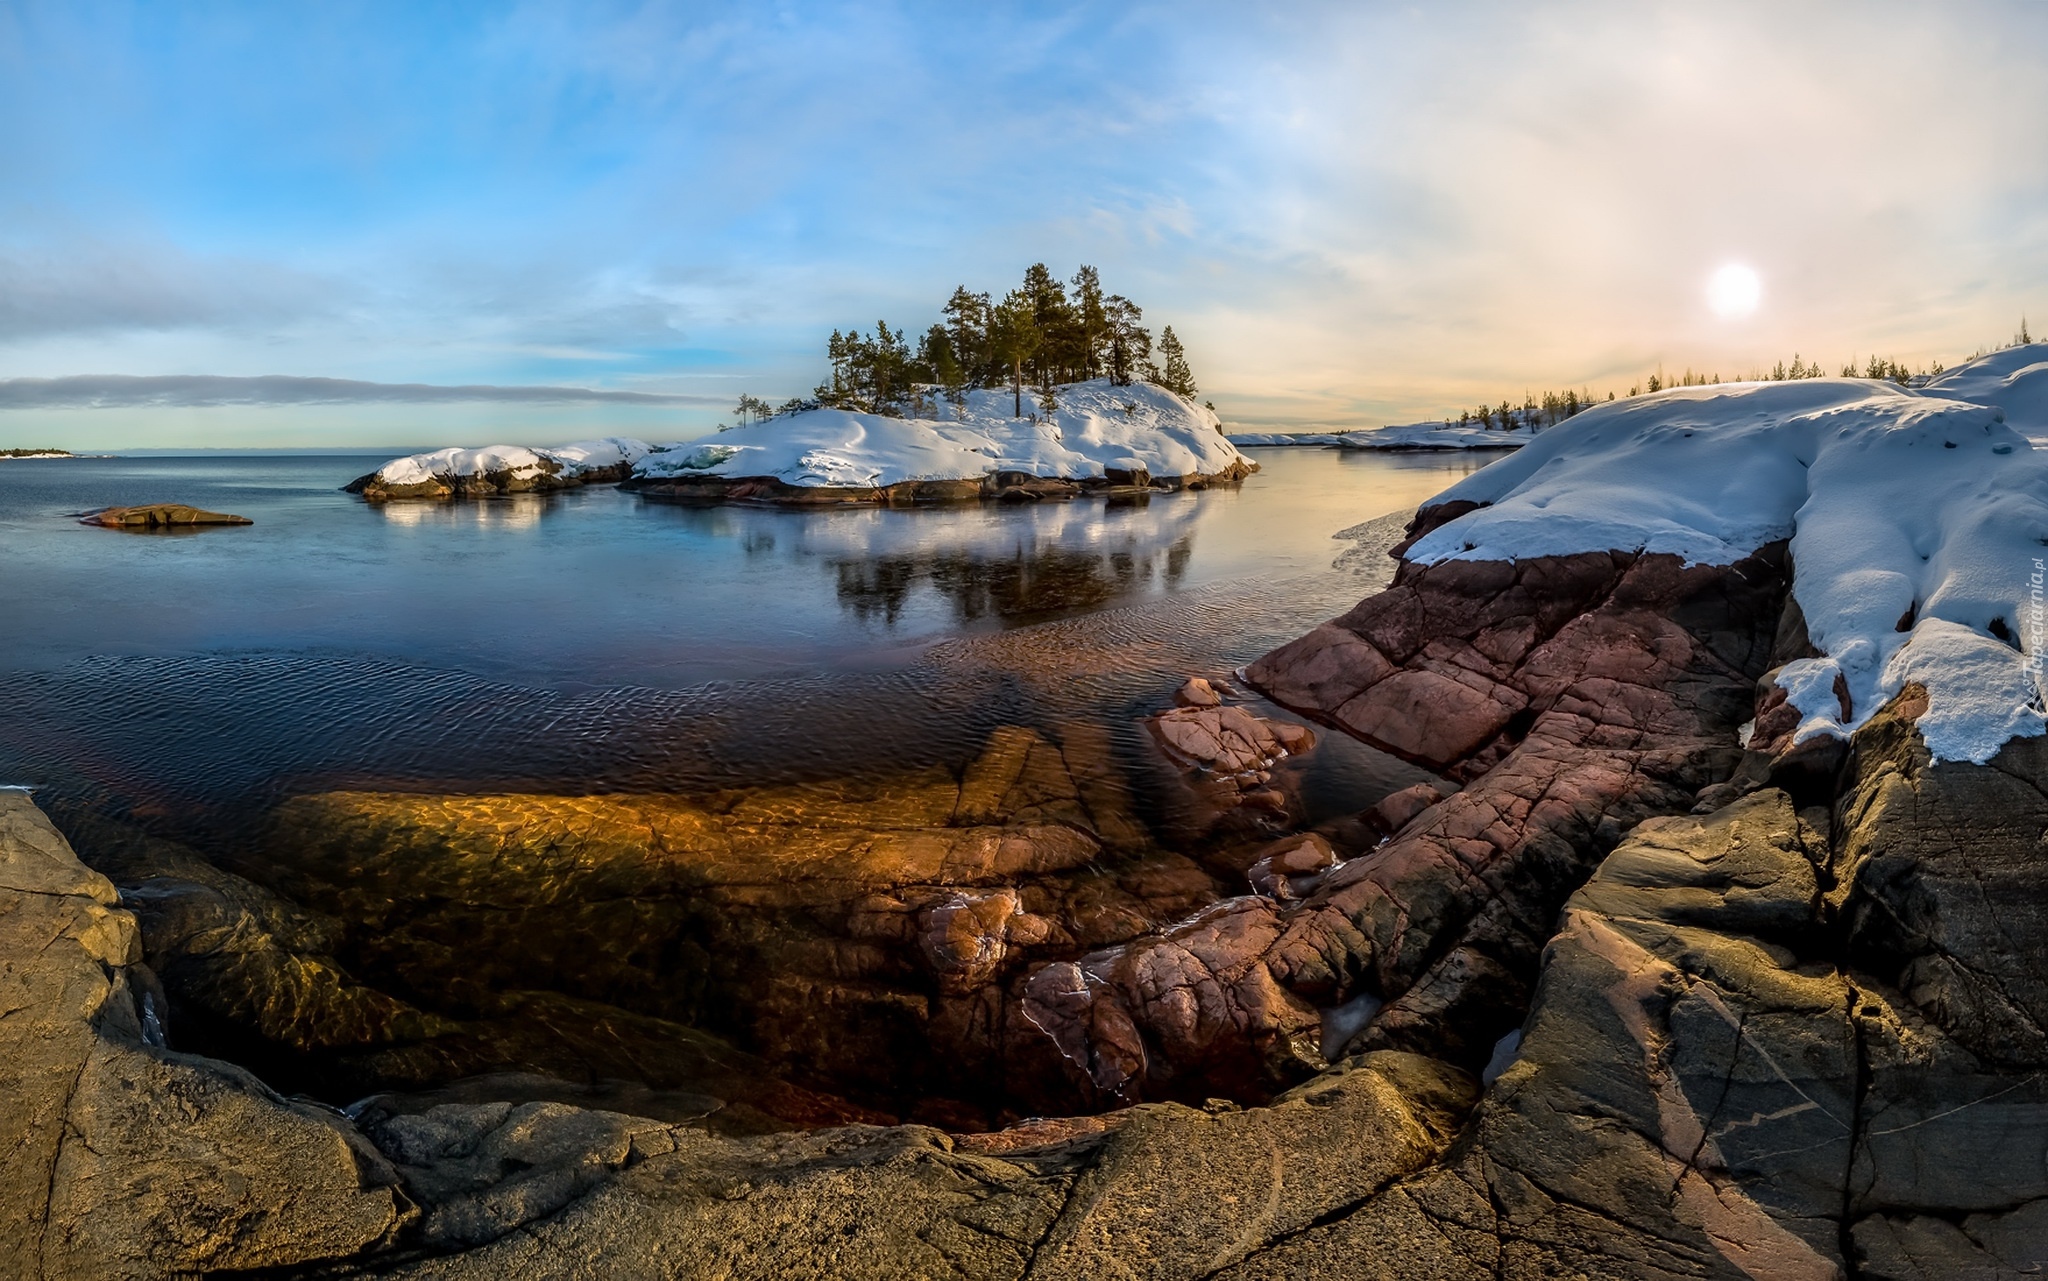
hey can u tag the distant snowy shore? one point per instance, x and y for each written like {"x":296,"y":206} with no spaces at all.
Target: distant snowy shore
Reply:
{"x":1406,"y":438}
{"x":1918,"y":522}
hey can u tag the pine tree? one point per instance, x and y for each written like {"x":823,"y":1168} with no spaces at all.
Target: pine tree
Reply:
{"x":1130,"y":344}
{"x":1014,"y":339}
{"x":1176,"y":377}
{"x":1092,"y":319}
{"x":967,"y":326}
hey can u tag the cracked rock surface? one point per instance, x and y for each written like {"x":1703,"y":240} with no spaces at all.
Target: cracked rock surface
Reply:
{"x":1575,"y":696}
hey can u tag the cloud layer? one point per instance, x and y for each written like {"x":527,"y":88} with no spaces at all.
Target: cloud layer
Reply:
{"x":199,"y":391}
{"x":1350,"y":213}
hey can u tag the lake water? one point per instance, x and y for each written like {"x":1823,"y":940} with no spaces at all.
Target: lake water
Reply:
{"x":595,"y":640}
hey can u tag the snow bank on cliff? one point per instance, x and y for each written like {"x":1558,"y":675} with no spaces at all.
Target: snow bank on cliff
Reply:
{"x":569,"y":461}
{"x":1918,"y":520}
{"x":1096,"y":428}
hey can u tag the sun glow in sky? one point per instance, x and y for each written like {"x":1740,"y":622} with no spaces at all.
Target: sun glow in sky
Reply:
{"x":1352,"y":214}
{"x":1734,"y":291}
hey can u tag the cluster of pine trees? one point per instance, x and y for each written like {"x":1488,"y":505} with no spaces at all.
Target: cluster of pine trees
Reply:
{"x":1040,"y":335}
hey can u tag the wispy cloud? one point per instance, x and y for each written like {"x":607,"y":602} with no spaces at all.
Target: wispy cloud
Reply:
{"x":195,"y":391}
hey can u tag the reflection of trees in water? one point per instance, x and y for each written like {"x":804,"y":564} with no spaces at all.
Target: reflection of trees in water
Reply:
{"x":1024,"y":586}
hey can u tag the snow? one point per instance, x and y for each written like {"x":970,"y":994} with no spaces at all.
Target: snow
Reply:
{"x":570,"y":460}
{"x":1916,"y":518}
{"x":1096,"y":427}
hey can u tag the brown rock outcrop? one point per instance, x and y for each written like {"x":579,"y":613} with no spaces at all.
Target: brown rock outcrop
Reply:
{"x":1574,"y":696}
{"x":159,"y":516}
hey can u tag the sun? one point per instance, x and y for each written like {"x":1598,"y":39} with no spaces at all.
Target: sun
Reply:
{"x":1734,"y":291}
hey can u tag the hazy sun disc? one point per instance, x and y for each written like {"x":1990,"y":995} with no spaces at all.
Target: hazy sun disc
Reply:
{"x":1734,"y":291}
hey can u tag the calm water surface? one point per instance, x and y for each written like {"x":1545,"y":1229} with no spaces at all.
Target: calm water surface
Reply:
{"x":594,"y":640}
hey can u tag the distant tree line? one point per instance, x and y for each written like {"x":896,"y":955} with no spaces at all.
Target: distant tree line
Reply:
{"x":1536,"y":412}
{"x":1039,"y":336}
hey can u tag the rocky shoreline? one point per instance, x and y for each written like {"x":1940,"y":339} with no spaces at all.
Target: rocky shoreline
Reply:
{"x":1630,"y":1001}
{"x":1001,"y":486}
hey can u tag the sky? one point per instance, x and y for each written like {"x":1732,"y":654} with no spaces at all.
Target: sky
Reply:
{"x":436,"y":223}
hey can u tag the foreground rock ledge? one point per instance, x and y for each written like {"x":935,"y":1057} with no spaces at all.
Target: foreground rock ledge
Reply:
{"x":131,"y":1161}
{"x":1764,"y":1042}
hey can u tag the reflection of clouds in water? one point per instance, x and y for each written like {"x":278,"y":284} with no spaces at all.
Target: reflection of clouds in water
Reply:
{"x":520,"y":511}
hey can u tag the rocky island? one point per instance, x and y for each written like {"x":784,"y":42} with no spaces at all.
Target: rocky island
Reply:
{"x":1098,"y":437}
{"x":159,"y":517}
{"x":1718,"y":951}
{"x":498,"y":470}
{"x":1045,"y":394}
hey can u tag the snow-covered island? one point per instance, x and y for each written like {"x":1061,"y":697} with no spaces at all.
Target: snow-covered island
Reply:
{"x":1402,"y":438}
{"x":1099,"y":436}
{"x":501,"y":469}
{"x":36,"y":453}
{"x":1917,"y":520}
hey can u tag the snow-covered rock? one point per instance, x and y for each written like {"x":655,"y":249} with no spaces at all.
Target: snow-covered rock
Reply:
{"x":1918,"y":521}
{"x":502,"y":469}
{"x":1098,"y":434}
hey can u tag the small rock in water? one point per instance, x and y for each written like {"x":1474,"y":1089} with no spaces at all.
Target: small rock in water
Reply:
{"x":1197,"y":693}
{"x":159,"y":516}
{"x":1290,"y":867}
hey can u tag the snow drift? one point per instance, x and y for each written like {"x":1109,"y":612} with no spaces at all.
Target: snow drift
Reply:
{"x":1918,"y":521}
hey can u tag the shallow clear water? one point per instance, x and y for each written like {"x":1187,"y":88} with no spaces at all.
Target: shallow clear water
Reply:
{"x":595,"y":640}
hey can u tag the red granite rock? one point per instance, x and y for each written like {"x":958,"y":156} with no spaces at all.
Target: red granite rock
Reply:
{"x":1574,"y":696}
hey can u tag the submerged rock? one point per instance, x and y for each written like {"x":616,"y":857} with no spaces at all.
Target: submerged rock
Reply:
{"x":870,"y":931}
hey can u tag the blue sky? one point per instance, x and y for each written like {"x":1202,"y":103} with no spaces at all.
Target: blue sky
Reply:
{"x":1351,"y":213}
